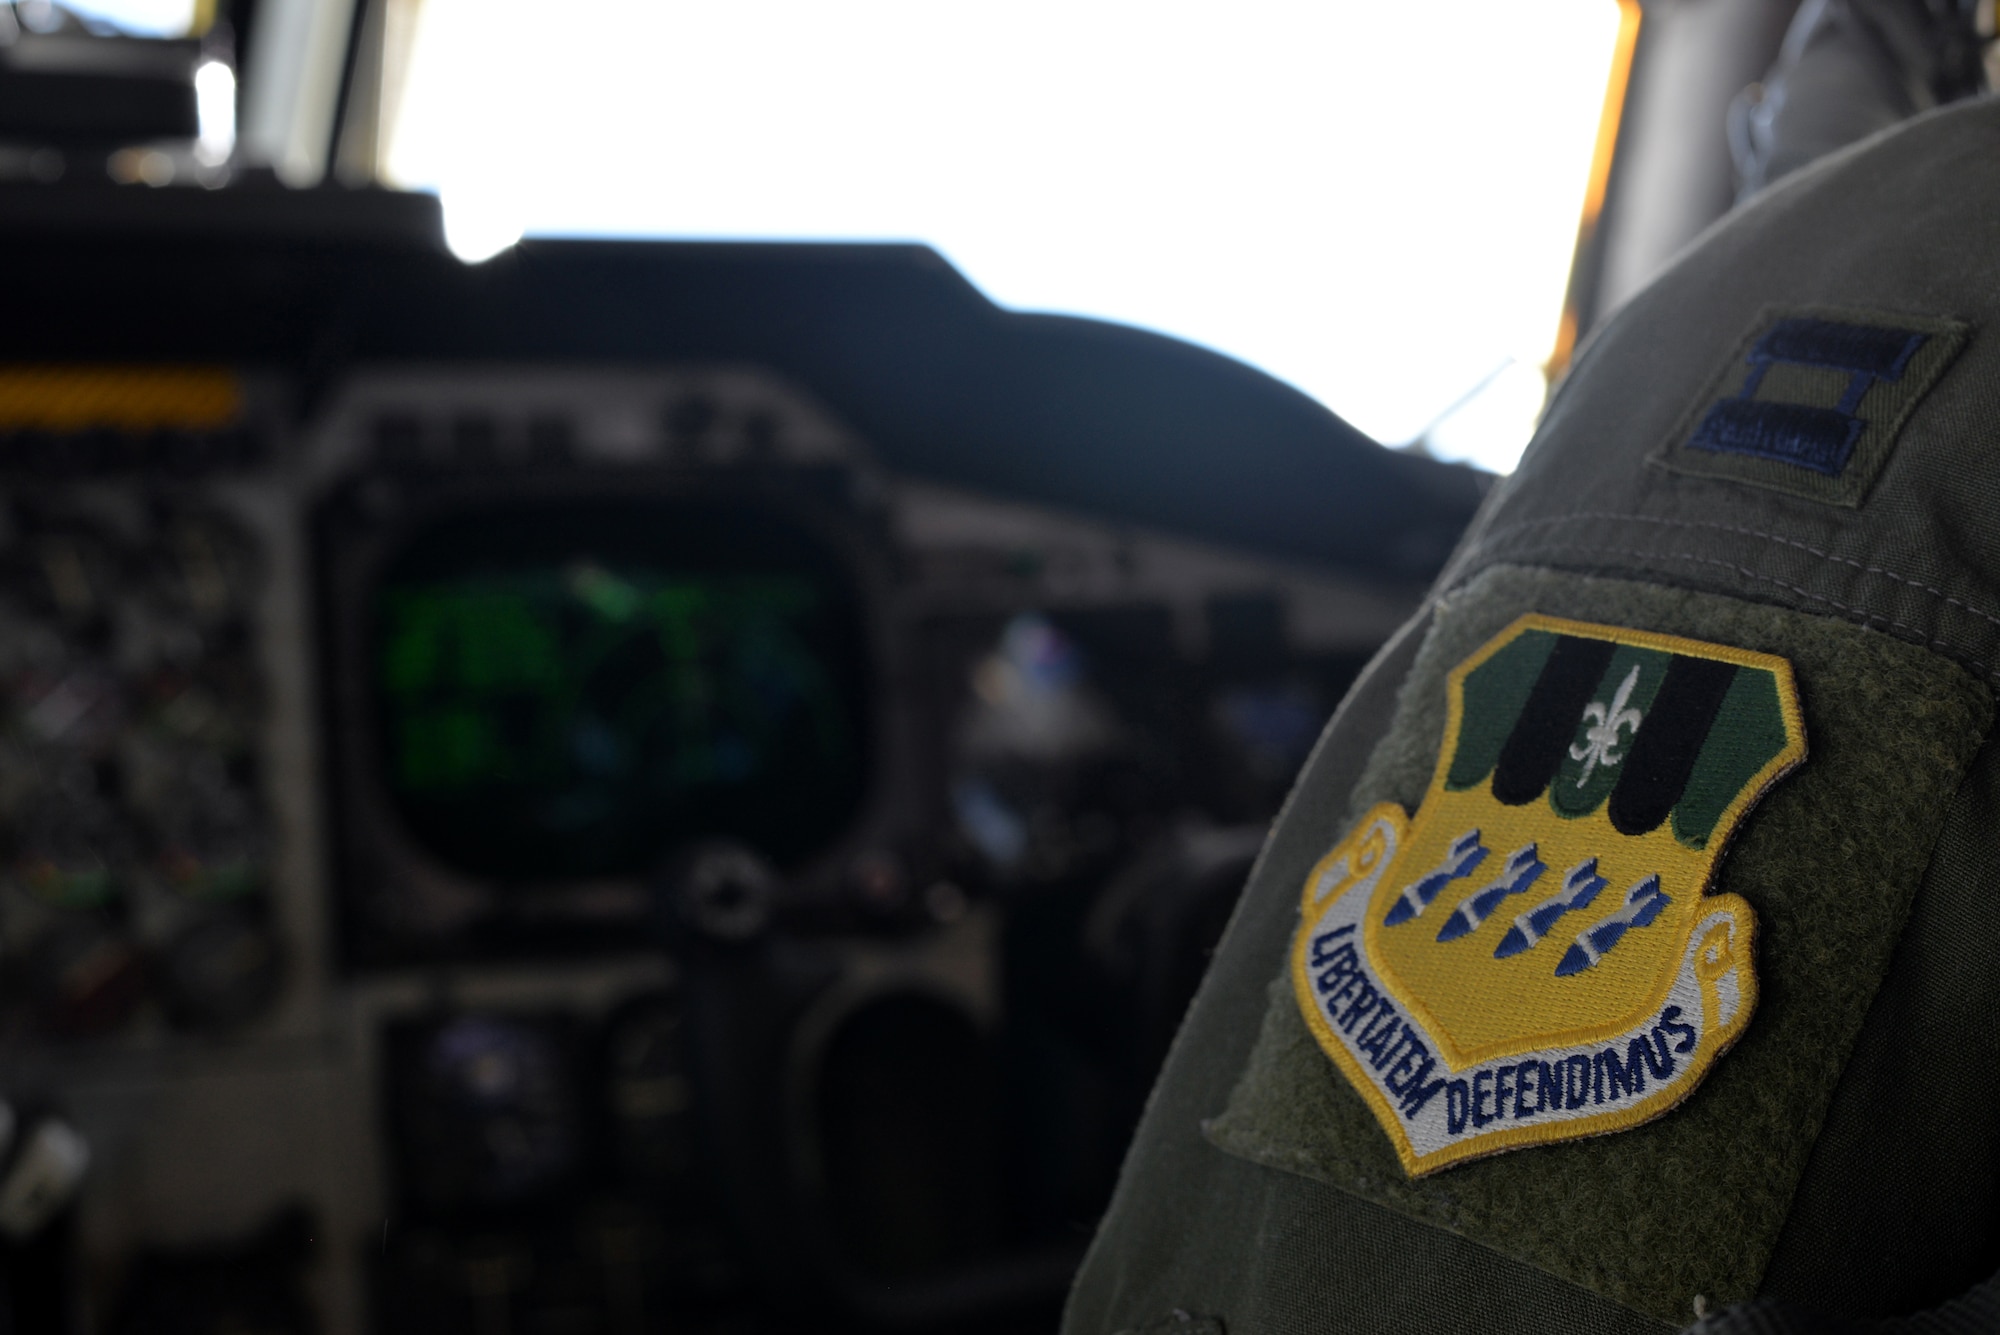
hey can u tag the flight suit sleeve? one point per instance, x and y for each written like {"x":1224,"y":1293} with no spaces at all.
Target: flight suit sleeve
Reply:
{"x":1623,"y":954}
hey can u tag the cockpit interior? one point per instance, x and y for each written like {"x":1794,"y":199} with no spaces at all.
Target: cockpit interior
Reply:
{"x":639,"y":783}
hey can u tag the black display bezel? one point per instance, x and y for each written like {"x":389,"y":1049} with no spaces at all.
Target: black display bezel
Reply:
{"x":396,"y":902}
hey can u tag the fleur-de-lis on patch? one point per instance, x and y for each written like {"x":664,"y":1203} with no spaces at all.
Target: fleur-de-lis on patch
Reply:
{"x":1600,"y":740}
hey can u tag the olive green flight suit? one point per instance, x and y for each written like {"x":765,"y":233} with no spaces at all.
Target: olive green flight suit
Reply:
{"x":1844,"y":1158}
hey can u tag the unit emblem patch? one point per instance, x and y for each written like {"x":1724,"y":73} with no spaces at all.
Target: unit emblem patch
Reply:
{"x":1535,"y":955}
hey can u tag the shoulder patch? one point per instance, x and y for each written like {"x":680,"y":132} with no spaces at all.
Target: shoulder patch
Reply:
{"x":1535,"y":956}
{"x":1812,"y":400}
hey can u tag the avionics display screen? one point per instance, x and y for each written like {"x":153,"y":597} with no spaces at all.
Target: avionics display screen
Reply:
{"x":579,"y":691}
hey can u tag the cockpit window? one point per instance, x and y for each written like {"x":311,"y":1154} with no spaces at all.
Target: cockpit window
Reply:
{"x":1376,"y":203}
{"x":133,"y":18}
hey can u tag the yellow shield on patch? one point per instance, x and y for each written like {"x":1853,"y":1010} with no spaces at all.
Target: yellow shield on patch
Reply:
{"x":1535,"y":955}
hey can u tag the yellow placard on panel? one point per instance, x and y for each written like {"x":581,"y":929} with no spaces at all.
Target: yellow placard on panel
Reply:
{"x":136,"y":399}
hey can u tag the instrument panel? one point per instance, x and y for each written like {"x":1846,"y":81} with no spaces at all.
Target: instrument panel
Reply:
{"x":588,"y":842}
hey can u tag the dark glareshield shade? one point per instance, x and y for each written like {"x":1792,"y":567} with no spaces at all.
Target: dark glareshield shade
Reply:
{"x":578,"y":690}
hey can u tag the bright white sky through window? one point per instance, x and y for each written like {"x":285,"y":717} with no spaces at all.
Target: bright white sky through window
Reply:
{"x":1375,"y":202}
{"x":142,"y":18}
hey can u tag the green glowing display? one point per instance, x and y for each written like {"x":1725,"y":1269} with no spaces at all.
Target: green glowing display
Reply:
{"x":578,"y":719}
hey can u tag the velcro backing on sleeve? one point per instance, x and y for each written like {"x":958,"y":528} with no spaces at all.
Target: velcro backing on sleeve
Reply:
{"x":1690,"y":1203}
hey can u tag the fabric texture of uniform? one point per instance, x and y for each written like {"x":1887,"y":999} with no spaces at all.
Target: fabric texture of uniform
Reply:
{"x":1896,"y":1207}
{"x":1714,"y":1179}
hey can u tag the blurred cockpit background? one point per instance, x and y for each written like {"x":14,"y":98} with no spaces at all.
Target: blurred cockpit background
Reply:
{"x":643,"y":645}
